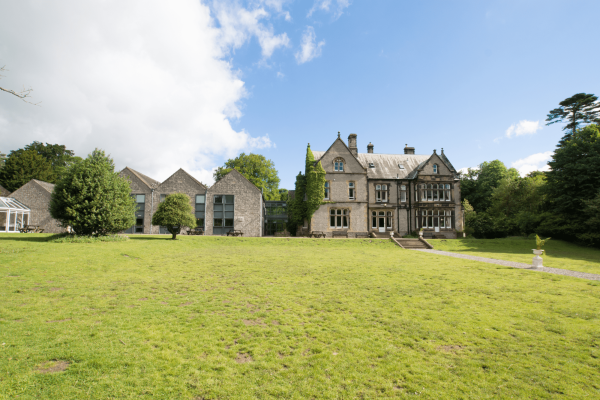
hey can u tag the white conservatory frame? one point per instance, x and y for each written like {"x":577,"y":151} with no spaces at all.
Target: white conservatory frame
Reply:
{"x":13,"y":215}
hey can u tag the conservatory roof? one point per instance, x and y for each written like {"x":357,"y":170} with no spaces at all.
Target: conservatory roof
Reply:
{"x":8,"y":203}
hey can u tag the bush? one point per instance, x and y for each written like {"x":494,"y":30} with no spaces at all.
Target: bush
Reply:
{"x":92,"y":198}
{"x":174,"y":213}
{"x":67,"y":238}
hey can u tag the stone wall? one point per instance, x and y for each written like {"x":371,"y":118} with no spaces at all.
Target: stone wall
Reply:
{"x":139,"y":187}
{"x":37,"y":198}
{"x":357,"y":223}
{"x":179,"y":182}
{"x":248,"y":204}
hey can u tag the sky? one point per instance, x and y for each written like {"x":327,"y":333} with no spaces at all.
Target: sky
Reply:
{"x":188,"y":84}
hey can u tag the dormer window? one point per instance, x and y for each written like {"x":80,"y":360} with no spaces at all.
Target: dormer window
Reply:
{"x":371,"y":165}
{"x":338,"y":165}
{"x":400,"y":166}
{"x":435,"y":169}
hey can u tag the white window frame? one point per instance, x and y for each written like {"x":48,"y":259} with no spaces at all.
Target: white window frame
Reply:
{"x":436,"y":169}
{"x":381,"y":193}
{"x":351,"y":190}
{"x":402,"y":193}
{"x":338,"y":165}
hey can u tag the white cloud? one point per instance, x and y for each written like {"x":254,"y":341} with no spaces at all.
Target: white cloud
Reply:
{"x":309,"y":49}
{"x":534,"y":162}
{"x":523,"y":128}
{"x":145,"y":80}
{"x":238,"y":25}
{"x":335,"y":6}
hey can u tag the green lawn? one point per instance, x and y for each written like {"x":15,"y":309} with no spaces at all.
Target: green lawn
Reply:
{"x":233,"y":318}
{"x":558,"y":254}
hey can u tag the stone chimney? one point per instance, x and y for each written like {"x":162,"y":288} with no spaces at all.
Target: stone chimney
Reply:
{"x":370,"y":148}
{"x":352,"y":144}
{"x":409,"y":150}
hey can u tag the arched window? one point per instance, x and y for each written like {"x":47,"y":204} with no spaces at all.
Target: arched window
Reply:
{"x":435,"y":169}
{"x":338,"y":164}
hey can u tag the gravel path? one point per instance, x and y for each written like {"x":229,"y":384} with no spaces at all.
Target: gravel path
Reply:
{"x":557,"y":271}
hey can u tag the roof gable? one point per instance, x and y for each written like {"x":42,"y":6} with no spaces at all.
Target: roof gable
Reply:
{"x":146,"y":180}
{"x":234,"y":174}
{"x":181,"y":171}
{"x":336,"y":145}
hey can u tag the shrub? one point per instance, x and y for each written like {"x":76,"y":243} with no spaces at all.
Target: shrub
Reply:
{"x":174,"y":213}
{"x":67,"y":238}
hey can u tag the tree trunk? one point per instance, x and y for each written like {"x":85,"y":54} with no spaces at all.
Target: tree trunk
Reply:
{"x":174,"y":236}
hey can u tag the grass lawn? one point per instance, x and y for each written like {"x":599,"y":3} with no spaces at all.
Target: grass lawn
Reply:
{"x":557,"y":254}
{"x":241,"y":318}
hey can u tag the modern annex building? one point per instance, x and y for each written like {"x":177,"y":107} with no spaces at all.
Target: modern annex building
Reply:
{"x":231,"y":203}
{"x":383,"y":193}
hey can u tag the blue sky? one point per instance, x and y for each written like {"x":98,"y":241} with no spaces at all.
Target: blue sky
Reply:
{"x":162,"y":85}
{"x":451,"y":74}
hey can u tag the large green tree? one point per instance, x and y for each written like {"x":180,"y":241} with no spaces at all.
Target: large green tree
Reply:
{"x":581,"y":108}
{"x":23,"y":166}
{"x":92,"y":198}
{"x":572,"y":182}
{"x":58,"y":155}
{"x":477,"y":185}
{"x":257,"y":169}
{"x":174,"y":213}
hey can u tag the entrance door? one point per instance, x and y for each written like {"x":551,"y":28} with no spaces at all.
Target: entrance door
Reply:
{"x":381,"y":221}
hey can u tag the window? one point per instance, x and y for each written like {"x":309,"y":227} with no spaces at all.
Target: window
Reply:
{"x":434,"y":192}
{"x":351,"y":190}
{"x":400,"y":166}
{"x":140,"y":199}
{"x":223,"y":212}
{"x":389,"y":220}
{"x":371,"y":165}
{"x":200,"y":209}
{"x":381,"y":193}
{"x":374,"y":215}
{"x":442,"y":219}
{"x":403,"y":193}
{"x":163,"y":197}
{"x":338,"y":165}
{"x":435,"y":168}
{"x":339,"y":218}
{"x":326,"y":190}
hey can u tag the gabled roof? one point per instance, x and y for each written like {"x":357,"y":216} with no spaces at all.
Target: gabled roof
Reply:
{"x":151,"y":183}
{"x":3,"y":191}
{"x":187,"y":173}
{"x":444,"y":160}
{"x":240,"y":174}
{"x":322,"y":153}
{"x":49,"y":187}
{"x":386,"y":165}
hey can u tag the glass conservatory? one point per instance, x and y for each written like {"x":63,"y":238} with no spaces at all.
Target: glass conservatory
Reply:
{"x":14,"y":215}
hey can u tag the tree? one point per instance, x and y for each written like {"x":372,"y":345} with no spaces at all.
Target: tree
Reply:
{"x":23,"y":94}
{"x":579,"y":109}
{"x":23,"y":166}
{"x":284,"y":195}
{"x":57,"y":154}
{"x":174,"y":213}
{"x":2,"y":159}
{"x":257,"y":169}
{"x":477,"y":185}
{"x":92,"y":198}
{"x":571,"y":181}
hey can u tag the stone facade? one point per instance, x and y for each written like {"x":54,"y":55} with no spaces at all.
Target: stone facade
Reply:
{"x":4,"y":192}
{"x":36,"y":195}
{"x":249,"y":204}
{"x":390,"y":193}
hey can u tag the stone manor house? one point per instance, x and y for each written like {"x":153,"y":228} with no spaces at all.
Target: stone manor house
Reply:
{"x":365,"y":193}
{"x":384,"y":193}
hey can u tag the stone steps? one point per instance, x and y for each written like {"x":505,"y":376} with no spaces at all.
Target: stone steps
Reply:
{"x":412,"y":244}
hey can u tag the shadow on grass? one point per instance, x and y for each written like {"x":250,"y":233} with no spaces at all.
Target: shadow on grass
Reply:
{"x":24,"y":237}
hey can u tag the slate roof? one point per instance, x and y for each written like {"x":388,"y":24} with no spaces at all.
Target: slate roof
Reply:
{"x":45,"y":185}
{"x":151,"y":183}
{"x":386,"y":165}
